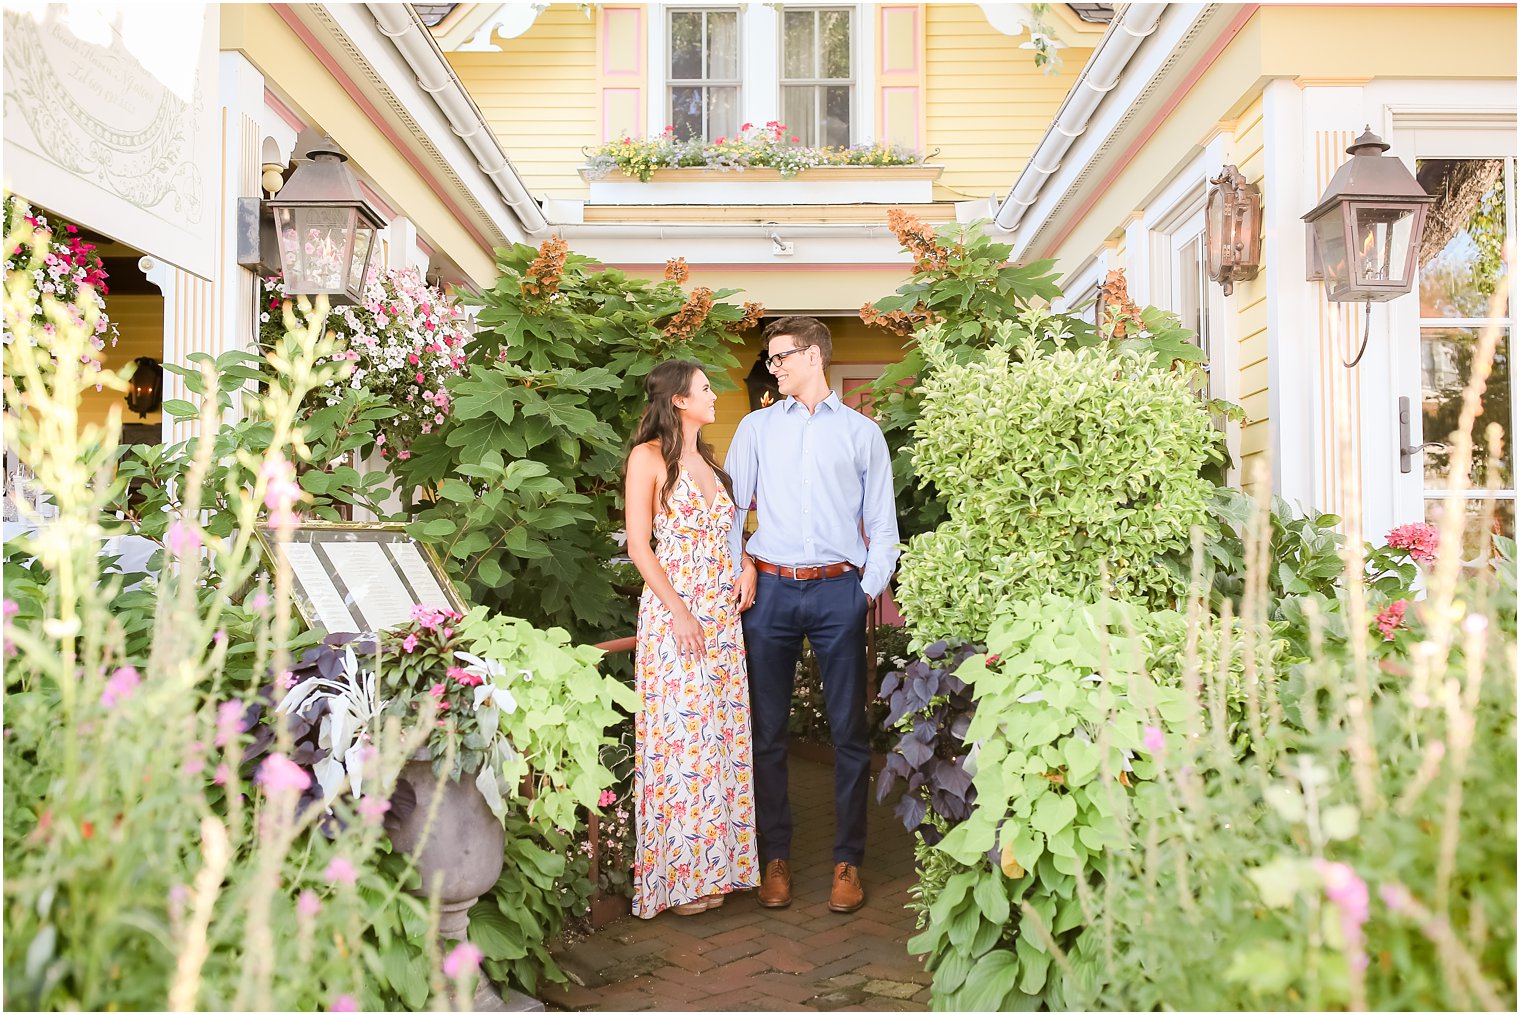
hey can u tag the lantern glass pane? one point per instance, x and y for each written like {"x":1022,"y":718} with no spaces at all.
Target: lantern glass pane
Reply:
{"x":1330,"y":242}
{"x":1215,"y":232}
{"x":1382,"y":243}
{"x":364,"y":241}
{"x":316,"y":244}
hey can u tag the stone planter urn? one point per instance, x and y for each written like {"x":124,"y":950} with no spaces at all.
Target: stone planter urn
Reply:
{"x":462,"y":853}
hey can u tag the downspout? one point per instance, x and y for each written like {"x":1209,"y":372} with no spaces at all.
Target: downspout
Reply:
{"x":400,"y":24}
{"x":1101,"y":75}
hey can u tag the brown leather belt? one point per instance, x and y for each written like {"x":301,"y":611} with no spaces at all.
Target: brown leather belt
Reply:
{"x":804,"y":574}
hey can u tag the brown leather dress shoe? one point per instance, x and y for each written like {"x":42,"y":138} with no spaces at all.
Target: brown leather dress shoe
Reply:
{"x":776,"y":887}
{"x":847,"y":895}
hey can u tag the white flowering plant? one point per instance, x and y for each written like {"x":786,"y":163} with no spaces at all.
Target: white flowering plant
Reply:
{"x":405,"y":341}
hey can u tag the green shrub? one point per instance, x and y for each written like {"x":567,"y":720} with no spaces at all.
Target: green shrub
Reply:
{"x":1075,"y":472}
{"x":521,"y":488}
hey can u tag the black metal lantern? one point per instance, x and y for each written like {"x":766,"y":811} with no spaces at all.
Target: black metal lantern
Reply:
{"x":1364,"y":235}
{"x":1233,"y":218}
{"x":145,"y":389}
{"x":324,"y":227}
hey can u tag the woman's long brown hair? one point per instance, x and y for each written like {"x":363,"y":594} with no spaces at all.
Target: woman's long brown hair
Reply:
{"x":662,"y":421}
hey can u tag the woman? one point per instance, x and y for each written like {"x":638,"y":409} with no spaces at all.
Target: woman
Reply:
{"x":693,"y":787}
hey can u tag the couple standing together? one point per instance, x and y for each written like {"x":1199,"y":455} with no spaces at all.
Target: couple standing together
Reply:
{"x":721,"y":623}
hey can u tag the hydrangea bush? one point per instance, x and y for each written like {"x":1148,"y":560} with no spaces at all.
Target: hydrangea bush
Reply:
{"x":767,"y":147}
{"x":1075,"y":471}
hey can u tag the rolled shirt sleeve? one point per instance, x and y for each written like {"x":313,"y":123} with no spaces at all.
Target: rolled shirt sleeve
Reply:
{"x":879,"y":515}
{"x":742,"y":466}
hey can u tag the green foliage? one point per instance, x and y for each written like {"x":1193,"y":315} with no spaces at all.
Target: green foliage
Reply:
{"x":142,"y":870}
{"x":770,"y":147}
{"x":521,"y":487}
{"x":1076,"y":702}
{"x":1074,"y":472}
{"x":963,"y":283}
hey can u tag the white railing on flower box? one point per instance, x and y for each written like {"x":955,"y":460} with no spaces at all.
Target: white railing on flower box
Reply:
{"x":821,"y":185}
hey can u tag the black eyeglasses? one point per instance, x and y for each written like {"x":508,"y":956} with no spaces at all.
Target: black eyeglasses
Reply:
{"x":772,"y":362}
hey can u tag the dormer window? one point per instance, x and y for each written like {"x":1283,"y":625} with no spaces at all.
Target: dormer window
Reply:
{"x":703,"y":78}
{"x":817,"y":74}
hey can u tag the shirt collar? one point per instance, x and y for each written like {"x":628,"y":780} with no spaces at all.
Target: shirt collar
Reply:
{"x":832,"y":403}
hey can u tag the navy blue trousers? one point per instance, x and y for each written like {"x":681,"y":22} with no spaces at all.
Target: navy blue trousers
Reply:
{"x":831,"y":613}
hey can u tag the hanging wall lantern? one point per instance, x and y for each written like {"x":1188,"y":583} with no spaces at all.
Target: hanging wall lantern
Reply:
{"x":324,"y":227}
{"x":1234,"y":229}
{"x":145,"y":389}
{"x":1364,"y":235}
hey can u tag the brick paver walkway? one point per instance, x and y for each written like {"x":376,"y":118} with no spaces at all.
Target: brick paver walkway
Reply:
{"x":745,"y":958}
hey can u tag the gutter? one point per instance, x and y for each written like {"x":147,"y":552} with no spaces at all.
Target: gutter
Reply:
{"x":1130,"y":28}
{"x":400,"y":24}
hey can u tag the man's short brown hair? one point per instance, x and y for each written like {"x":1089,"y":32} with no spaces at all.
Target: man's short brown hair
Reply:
{"x":803,"y":331}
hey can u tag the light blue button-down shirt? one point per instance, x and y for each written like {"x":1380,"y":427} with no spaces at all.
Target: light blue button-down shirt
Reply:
{"x":816,"y":481}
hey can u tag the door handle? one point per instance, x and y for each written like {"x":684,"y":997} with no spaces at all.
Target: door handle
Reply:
{"x":1407,"y":450}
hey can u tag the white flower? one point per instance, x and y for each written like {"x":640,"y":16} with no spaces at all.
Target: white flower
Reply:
{"x":488,"y":695}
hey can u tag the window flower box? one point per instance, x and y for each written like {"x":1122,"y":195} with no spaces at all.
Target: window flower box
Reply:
{"x":819,"y":185}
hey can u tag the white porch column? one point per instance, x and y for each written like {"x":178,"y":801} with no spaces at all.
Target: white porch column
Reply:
{"x":217,"y":314}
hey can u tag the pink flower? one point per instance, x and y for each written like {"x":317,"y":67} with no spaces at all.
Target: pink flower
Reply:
{"x":11,"y":609}
{"x":122,"y":683}
{"x":372,"y":809}
{"x":223,"y":775}
{"x":259,"y":603}
{"x":340,"y":870}
{"x":343,"y":1002}
{"x":419,"y":378}
{"x":607,"y":799}
{"x":308,"y":905}
{"x":278,"y":774}
{"x":282,"y":492}
{"x":181,"y":539}
{"x":1155,"y":740}
{"x":464,"y":676}
{"x":1349,"y":893}
{"x":1391,"y":618}
{"x":1418,"y":538}
{"x":229,"y":721}
{"x":464,"y":960}
{"x":409,"y":643}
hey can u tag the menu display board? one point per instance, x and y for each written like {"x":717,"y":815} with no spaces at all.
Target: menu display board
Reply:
{"x":360,"y":577}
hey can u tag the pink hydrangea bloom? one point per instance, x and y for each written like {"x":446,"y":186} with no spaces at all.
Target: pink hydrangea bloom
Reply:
{"x":1418,"y":538}
{"x":278,"y":774}
{"x":1391,"y":618}
{"x":464,"y":960}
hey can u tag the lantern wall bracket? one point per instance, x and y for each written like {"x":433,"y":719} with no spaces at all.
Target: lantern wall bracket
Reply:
{"x":1407,"y":450}
{"x":1366,"y":334}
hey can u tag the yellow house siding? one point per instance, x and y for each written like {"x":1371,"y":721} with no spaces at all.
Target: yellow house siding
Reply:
{"x":1249,"y":304}
{"x":540,"y":95}
{"x":987,"y":103}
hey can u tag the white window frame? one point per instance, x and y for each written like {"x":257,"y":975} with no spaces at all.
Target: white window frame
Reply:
{"x":759,"y":74}
{"x":1430,"y":133}
{"x":1081,"y":289}
{"x":854,"y":13}
{"x":664,"y":97}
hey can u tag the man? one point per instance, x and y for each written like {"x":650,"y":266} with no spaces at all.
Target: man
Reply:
{"x":820,"y":474}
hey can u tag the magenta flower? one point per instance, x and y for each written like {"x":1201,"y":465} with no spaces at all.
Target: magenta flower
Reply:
{"x":409,"y":643}
{"x":1349,"y":893}
{"x":1155,"y":740}
{"x":121,"y":683}
{"x":308,"y":905}
{"x":607,"y":799}
{"x":1418,"y":538}
{"x":278,"y":774}
{"x":344,"y":1002}
{"x":340,"y":870}
{"x":282,"y":492}
{"x":464,"y":960}
{"x":259,"y":603}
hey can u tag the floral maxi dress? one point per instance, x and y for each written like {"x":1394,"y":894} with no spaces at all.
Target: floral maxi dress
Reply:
{"x":693,"y":785}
